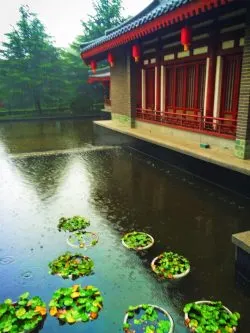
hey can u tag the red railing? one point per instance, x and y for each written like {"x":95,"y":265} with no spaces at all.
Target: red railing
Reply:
{"x":223,"y":127}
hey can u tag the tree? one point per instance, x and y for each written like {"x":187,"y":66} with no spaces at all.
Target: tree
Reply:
{"x":80,"y":94}
{"x":30,"y":64}
{"x":108,"y":14}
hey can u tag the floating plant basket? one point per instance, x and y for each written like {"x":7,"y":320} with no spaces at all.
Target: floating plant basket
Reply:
{"x":202,"y":316}
{"x":147,"y":318}
{"x":83,"y":240}
{"x":76,"y":304}
{"x":71,"y":266}
{"x":170,"y":265}
{"x":27,"y":315}
{"x":137,"y":240}
{"x":72,"y":224}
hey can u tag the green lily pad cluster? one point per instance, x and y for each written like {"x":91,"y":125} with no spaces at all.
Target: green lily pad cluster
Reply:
{"x":137,"y":240}
{"x":76,"y":304}
{"x":169,"y":264}
{"x":71,"y":266}
{"x":146,"y":318}
{"x":210,"y":317}
{"x":71,"y":224}
{"x":24,"y":315}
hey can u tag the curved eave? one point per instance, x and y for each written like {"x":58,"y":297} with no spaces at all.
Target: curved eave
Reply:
{"x":182,"y":13}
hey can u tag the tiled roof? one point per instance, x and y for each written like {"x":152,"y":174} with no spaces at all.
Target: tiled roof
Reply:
{"x":154,"y":10}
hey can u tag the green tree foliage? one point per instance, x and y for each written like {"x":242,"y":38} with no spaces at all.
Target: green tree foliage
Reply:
{"x":108,"y":14}
{"x":30,"y":65}
{"x":35,"y":74}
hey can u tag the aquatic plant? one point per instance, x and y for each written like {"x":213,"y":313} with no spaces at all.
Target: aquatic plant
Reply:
{"x":71,"y":224}
{"x":76,"y":304}
{"x":137,"y":240}
{"x":170,"y":265}
{"x":83,"y":239}
{"x":147,"y":318}
{"x":24,"y":315}
{"x":210,"y":317}
{"x":71,"y":266}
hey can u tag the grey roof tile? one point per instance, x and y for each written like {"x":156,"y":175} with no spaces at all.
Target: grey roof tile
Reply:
{"x":154,"y":10}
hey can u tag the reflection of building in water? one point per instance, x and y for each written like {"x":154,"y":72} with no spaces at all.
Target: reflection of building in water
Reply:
{"x":44,"y":174}
{"x":182,"y":213}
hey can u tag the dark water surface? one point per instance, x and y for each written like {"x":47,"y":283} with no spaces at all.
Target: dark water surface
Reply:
{"x":119,"y":191}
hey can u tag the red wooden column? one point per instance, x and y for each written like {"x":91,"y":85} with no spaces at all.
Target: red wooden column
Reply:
{"x":158,"y":83}
{"x":213,"y":47}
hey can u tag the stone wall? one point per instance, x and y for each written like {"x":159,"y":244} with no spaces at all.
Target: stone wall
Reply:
{"x":242,"y":147}
{"x":123,"y":87}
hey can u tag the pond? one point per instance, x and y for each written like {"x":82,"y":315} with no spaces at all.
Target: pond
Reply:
{"x":119,"y":190}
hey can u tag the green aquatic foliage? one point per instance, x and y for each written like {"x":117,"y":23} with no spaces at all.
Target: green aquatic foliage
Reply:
{"x":83,"y":239}
{"x":148,"y":322}
{"x":25,"y":315}
{"x":210,"y":317}
{"x":76,"y":304}
{"x":71,"y":224}
{"x":170,"y":264}
{"x":71,"y":266}
{"x":137,"y":240}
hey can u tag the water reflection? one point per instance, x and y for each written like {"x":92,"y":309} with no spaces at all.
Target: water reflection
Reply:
{"x":45,"y":173}
{"x":20,"y":137}
{"x":118,"y":191}
{"x":181,"y":217}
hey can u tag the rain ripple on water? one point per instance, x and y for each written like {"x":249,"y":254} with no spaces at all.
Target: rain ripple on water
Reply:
{"x":6,"y":260}
{"x":27,"y":275}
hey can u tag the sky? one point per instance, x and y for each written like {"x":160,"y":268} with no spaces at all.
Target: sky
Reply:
{"x":62,"y":18}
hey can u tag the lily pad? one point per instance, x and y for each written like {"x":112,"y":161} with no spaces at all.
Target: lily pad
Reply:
{"x":137,"y":240}
{"x":76,"y":304}
{"x":71,"y":266}
{"x":212,"y":317}
{"x":25,"y":315}
{"x":170,"y":265}
{"x":71,"y":224}
{"x":147,"y":318}
{"x":83,"y":240}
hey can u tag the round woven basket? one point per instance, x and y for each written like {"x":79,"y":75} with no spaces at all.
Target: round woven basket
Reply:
{"x":192,"y":329}
{"x":138,"y":248}
{"x":171,"y":330}
{"x":174,"y":277}
{"x":77,"y":246}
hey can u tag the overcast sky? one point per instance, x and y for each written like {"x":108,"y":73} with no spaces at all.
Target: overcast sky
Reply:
{"x":61,"y":17}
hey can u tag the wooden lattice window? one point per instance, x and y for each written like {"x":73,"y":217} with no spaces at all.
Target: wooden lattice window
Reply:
{"x":185,"y":87}
{"x":230,"y":85}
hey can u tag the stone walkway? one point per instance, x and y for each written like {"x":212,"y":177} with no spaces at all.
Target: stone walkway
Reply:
{"x":216,"y":155}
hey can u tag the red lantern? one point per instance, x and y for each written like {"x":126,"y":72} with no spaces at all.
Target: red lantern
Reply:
{"x":186,"y":37}
{"x":136,"y":52}
{"x":111,"y":59}
{"x":93,"y":65}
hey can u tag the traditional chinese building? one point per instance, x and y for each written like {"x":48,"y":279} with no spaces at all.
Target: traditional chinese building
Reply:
{"x":180,"y":70}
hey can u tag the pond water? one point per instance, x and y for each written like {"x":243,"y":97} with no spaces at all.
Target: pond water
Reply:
{"x":119,"y":190}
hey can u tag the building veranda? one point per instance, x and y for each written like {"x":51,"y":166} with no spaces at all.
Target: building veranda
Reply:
{"x":181,"y":69}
